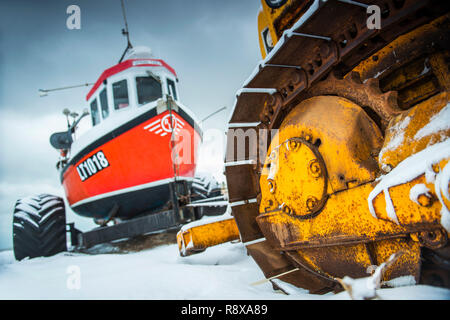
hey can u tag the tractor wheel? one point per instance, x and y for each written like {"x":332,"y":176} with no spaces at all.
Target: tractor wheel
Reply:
{"x":206,"y":186}
{"x":39,"y":226}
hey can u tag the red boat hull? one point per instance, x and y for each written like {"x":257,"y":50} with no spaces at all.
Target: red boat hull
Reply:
{"x":132,"y":166}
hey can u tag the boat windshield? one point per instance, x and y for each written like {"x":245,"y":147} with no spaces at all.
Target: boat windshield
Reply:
{"x":94,"y":113}
{"x":120,"y":93}
{"x":148,"y":89}
{"x":104,"y":104}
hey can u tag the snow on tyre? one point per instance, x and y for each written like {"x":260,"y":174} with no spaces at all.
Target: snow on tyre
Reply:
{"x":39,"y":226}
{"x":205,"y":186}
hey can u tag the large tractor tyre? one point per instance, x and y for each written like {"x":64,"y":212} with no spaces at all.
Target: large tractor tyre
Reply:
{"x":39,"y":226}
{"x":206,"y":186}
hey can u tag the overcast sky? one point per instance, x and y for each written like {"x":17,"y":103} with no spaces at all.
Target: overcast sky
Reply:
{"x":212,"y":45}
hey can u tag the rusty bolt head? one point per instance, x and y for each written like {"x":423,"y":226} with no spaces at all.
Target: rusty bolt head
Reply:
{"x":286,"y":209}
{"x":314,"y":168}
{"x":425,"y":200}
{"x":433,"y":239}
{"x":293,"y":145}
{"x":295,"y":78}
{"x":324,"y":50}
{"x":311,"y":203}
{"x":435,"y":168}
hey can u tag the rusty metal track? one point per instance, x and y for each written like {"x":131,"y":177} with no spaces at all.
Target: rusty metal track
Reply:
{"x":305,"y":55}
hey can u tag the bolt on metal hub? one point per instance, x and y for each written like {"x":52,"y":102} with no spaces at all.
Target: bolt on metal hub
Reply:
{"x":296,"y":177}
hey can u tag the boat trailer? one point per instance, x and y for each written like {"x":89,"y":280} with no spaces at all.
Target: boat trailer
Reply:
{"x":179,"y":211}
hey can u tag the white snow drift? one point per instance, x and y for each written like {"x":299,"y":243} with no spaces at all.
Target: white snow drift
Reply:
{"x":221,"y":272}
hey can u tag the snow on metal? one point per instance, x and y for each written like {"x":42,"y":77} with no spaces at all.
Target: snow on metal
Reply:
{"x":227,"y":215}
{"x":438,"y":122}
{"x":416,"y":191}
{"x":411,"y":168}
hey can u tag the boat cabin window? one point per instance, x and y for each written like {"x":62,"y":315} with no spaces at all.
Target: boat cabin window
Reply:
{"x":120,"y":94}
{"x":171,"y":88}
{"x":104,"y":104}
{"x":95,"y":115}
{"x":148,"y":89}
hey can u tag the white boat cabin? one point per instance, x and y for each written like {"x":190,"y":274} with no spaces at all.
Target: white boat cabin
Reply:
{"x":126,"y":91}
{"x":137,"y":81}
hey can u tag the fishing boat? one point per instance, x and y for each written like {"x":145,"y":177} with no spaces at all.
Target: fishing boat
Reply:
{"x":133,"y":170}
{"x":127,"y":161}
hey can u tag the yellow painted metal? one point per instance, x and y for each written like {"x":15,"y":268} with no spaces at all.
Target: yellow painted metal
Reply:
{"x":287,"y":189}
{"x":199,"y":237}
{"x":344,"y":238}
{"x":369,"y":67}
{"x":404,"y":136}
{"x":348,"y":139}
{"x":323,"y":163}
{"x":414,"y":79}
{"x":346,"y":219}
{"x":409,"y":213}
{"x":277,"y":20}
{"x":262,"y":25}
{"x":358,"y":260}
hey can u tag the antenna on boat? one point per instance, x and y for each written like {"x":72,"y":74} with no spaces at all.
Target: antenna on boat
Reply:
{"x":215,"y":112}
{"x":44,"y":92}
{"x":125,"y":32}
{"x":75,"y":122}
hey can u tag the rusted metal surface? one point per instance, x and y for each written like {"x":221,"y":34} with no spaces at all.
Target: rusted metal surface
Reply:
{"x":354,"y":260}
{"x":299,"y":71}
{"x":248,"y":106}
{"x":245,"y":215}
{"x":244,"y":184}
{"x":274,"y":263}
{"x":383,"y":106}
{"x":328,"y":123}
{"x":293,"y":158}
{"x":289,"y":14}
{"x":343,"y":238}
{"x":413,"y":64}
{"x":345,"y":220}
{"x":408,"y":125}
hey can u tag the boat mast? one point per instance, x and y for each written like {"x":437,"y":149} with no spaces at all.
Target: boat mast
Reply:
{"x":125,"y":32}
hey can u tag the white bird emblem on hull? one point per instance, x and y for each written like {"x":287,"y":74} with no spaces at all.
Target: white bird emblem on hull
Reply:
{"x":163,"y":126}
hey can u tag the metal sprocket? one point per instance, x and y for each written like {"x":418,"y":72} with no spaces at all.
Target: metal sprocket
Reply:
{"x":381,"y":107}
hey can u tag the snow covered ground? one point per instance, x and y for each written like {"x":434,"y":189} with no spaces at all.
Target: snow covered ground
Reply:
{"x":221,"y":272}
